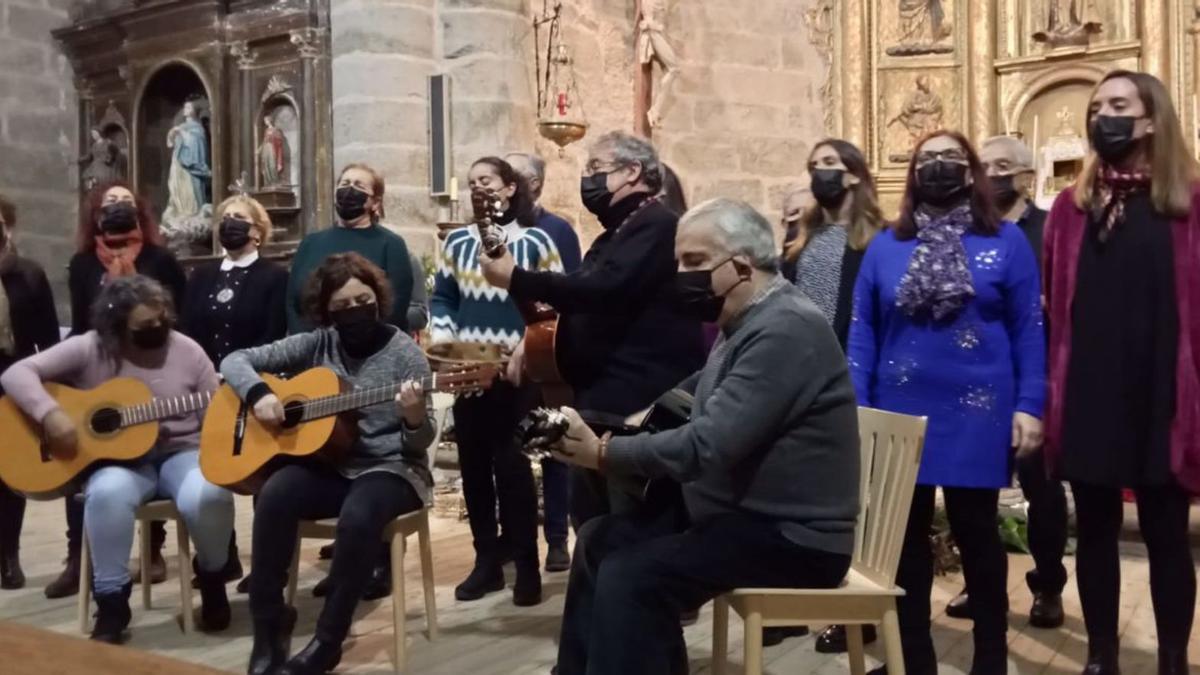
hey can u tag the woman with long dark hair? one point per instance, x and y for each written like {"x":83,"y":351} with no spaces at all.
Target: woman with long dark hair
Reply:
{"x":467,"y":309}
{"x":948,"y":324}
{"x":28,"y":324}
{"x":1121,"y":257}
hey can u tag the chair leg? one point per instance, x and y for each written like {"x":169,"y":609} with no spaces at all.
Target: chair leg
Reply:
{"x":144,"y":561}
{"x":720,"y":627}
{"x":854,"y":650}
{"x":185,"y":575}
{"x":294,"y":575}
{"x":85,"y":582}
{"x":427,"y":581}
{"x":399,"y":613}
{"x":752,"y":642}
{"x":891,"y":641}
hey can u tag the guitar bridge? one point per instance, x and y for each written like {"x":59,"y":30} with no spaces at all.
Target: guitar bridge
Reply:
{"x":239,"y":430}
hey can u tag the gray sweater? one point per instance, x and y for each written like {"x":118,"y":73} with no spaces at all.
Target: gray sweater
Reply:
{"x":384,"y":442}
{"x":774,"y":430}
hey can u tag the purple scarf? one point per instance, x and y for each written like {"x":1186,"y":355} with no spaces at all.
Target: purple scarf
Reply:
{"x":938,"y":280}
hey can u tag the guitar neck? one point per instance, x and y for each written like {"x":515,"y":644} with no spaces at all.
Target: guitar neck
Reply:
{"x":328,"y":406}
{"x":162,"y":408}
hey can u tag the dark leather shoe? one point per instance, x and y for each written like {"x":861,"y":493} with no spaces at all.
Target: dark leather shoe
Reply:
{"x":317,"y":658}
{"x":214,"y":602}
{"x":323,"y":587}
{"x":527,"y":591}
{"x":112,"y":616}
{"x":1047,"y":611}
{"x":67,"y":583}
{"x":774,"y":636}
{"x":558,"y":558}
{"x":1172,"y":661}
{"x":959,"y":607}
{"x":272,"y":642}
{"x":832,"y":640}
{"x":158,"y":569}
{"x":243,"y":586}
{"x":1103,"y":661}
{"x":325,"y":552}
{"x":380,"y":584}
{"x":482,"y":580}
{"x":11,"y":575}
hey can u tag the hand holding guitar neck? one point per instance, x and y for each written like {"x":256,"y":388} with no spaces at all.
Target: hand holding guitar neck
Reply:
{"x":488,"y":210}
{"x":541,"y":432}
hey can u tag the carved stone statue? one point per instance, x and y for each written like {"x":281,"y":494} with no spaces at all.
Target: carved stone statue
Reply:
{"x":189,"y":176}
{"x":923,"y":28}
{"x":272,"y":156}
{"x":1065,"y":27}
{"x":920,"y":114}
{"x":104,"y":162}
{"x":652,"y":45}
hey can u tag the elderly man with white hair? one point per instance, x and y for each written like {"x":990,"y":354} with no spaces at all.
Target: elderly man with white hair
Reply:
{"x":768,"y":462}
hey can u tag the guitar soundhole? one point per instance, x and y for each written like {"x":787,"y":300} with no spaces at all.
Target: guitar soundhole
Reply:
{"x":106,"y":421}
{"x":293,"y":413}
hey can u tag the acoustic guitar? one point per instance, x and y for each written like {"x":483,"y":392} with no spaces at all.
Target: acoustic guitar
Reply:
{"x":116,"y":421}
{"x":239,"y":453}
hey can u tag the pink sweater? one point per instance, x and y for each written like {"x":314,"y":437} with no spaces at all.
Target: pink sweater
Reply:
{"x":78,"y":362}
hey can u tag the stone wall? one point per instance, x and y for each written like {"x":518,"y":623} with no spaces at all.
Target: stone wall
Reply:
{"x":37,"y":135}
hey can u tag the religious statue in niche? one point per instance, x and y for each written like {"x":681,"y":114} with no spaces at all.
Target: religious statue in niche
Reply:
{"x":652,"y":45}
{"x":923,"y":29}
{"x":920,"y":114}
{"x":105,"y":162}
{"x":1065,"y":25}
{"x":273,"y":155}
{"x":189,"y":209}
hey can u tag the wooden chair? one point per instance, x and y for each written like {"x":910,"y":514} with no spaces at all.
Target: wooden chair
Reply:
{"x":891,"y":454}
{"x":163,"y":509}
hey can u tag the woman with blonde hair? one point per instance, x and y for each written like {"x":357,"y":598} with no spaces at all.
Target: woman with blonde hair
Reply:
{"x":1121,"y":261}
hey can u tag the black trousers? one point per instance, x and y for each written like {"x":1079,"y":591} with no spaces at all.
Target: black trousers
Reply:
{"x":556,"y":495}
{"x":972,"y":513}
{"x":494,"y":469}
{"x":1047,"y":525}
{"x":633,"y":575}
{"x":12,"y":517}
{"x":363,"y":507}
{"x":1163,"y":520}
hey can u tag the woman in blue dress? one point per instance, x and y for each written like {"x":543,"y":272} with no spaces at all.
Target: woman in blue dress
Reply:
{"x":948,"y":324}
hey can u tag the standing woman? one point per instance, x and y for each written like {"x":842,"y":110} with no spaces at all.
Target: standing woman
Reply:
{"x":24,"y":293}
{"x":828,"y":250}
{"x":948,"y":324}
{"x":468,"y":309}
{"x":117,"y":237}
{"x":1122,"y":256}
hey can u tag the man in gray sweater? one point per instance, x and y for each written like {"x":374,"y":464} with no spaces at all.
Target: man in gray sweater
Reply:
{"x":768,"y":463}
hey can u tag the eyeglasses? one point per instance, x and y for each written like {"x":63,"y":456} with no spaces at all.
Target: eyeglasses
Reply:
{"x":952,"y":155}
{"x":596,"y":166}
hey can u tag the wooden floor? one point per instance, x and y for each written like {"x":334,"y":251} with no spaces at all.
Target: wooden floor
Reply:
{"x":494,"y":636}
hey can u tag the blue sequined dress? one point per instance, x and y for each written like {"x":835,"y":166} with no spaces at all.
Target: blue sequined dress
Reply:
{"x":969,"y":373}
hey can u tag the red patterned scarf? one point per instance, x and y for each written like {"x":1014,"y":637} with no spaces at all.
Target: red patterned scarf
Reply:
{"x":117,"y":252}
{"x":1113,"y":188}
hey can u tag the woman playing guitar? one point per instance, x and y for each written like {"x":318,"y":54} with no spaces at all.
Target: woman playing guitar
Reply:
{"x":132,"y":337}
{"x":384,"y":475}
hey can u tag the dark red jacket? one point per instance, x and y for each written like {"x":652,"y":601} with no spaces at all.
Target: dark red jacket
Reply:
{"x":1065,"y":228}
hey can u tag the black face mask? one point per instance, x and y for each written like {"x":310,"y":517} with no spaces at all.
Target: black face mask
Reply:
{"x":358,"y":328}
{"x":234,"y":233}
{"x":941,"y":183}
{"x":1112,"y":137}
{"x":593,"y":190}
{"x":351,"y":203}
{"x":1004,"y":191}
{"x":153,"y":337}
{"x":828,"y":187}
{"x":118,"y":218}
{"x":694,"y":296}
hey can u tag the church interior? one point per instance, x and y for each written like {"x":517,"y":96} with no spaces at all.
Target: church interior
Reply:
{"x":270,"y":98}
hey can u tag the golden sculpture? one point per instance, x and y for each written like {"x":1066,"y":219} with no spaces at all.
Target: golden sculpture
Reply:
{"x":921,"y":113}
{"x":923,"y":27}
{"x":1065,"y":27}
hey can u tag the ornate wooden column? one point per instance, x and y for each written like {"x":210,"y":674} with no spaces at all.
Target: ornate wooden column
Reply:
{"x":855,"y":79}
{"x":981,"y":72}
{"x":1156,"y":38}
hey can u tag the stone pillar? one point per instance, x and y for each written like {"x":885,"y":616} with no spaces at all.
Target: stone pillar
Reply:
{"x":981,"y":74}
{"x":38,"y":127}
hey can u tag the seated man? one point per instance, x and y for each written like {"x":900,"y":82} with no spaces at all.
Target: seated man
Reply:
{"x":769,"y":462}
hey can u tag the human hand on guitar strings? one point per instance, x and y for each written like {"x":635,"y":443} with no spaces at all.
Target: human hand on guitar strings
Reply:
{"x":269,"y":411}
{"x":60,"y":434}
{"x":498,"y":271}
{"x":410,"y":402}
{"x":580,"y":445}
{"x":514,"y":370}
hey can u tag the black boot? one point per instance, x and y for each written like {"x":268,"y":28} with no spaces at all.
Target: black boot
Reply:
{"x":776,"y":635}
{"x":11,"y":575}
{"x":214,"y":603}
{"x":158,"y":568}
{"x":323,"y":587}
{"x":485,"y":578}
{"x":380,"y":583}
{"x":112,"y":616}
{"x":959,"y":606}
{"x":527,"y":591}
{"x":558,"y":558}
{"x":243,"y":586}
{"x":317,"y":658}
{"x":1102,"y":660}
{"x":67,"y":583}
{"x":1047,"y":611}
{"x":1172,"y":661}
{"x":832,"y":640}
{"x":272,"y":642}
{"x":233,"y":567}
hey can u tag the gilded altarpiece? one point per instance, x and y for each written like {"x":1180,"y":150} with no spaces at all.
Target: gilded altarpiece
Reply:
{"x":901,"y":68}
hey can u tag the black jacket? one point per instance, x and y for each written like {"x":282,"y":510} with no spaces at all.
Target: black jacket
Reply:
{"x":623,"y":345}
{"x":1032,"y":223}
{"x":85,"y":274}
{"x":259,"y":308}
{"x":31,"y":308}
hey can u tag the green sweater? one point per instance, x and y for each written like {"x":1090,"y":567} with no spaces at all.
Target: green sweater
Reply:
{"x":375,"y":243}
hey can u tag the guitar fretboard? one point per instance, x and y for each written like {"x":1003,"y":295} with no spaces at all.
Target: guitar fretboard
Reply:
{"x":327,"y":406}
{"x":161,"y":408}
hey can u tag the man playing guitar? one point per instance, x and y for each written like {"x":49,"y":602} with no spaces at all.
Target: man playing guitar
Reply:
{"x":621,"y":345}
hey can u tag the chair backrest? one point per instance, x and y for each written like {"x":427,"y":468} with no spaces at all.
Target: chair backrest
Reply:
{"x":891,"y":454}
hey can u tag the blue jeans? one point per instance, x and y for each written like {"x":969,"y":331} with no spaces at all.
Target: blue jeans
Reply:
{"x":113,"y":494}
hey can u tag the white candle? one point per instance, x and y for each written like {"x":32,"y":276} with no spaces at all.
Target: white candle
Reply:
{"x":454,"y":188}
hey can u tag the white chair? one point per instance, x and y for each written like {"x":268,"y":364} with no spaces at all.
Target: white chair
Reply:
{"x":163,"y":509}
{"x":891,"y":454}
